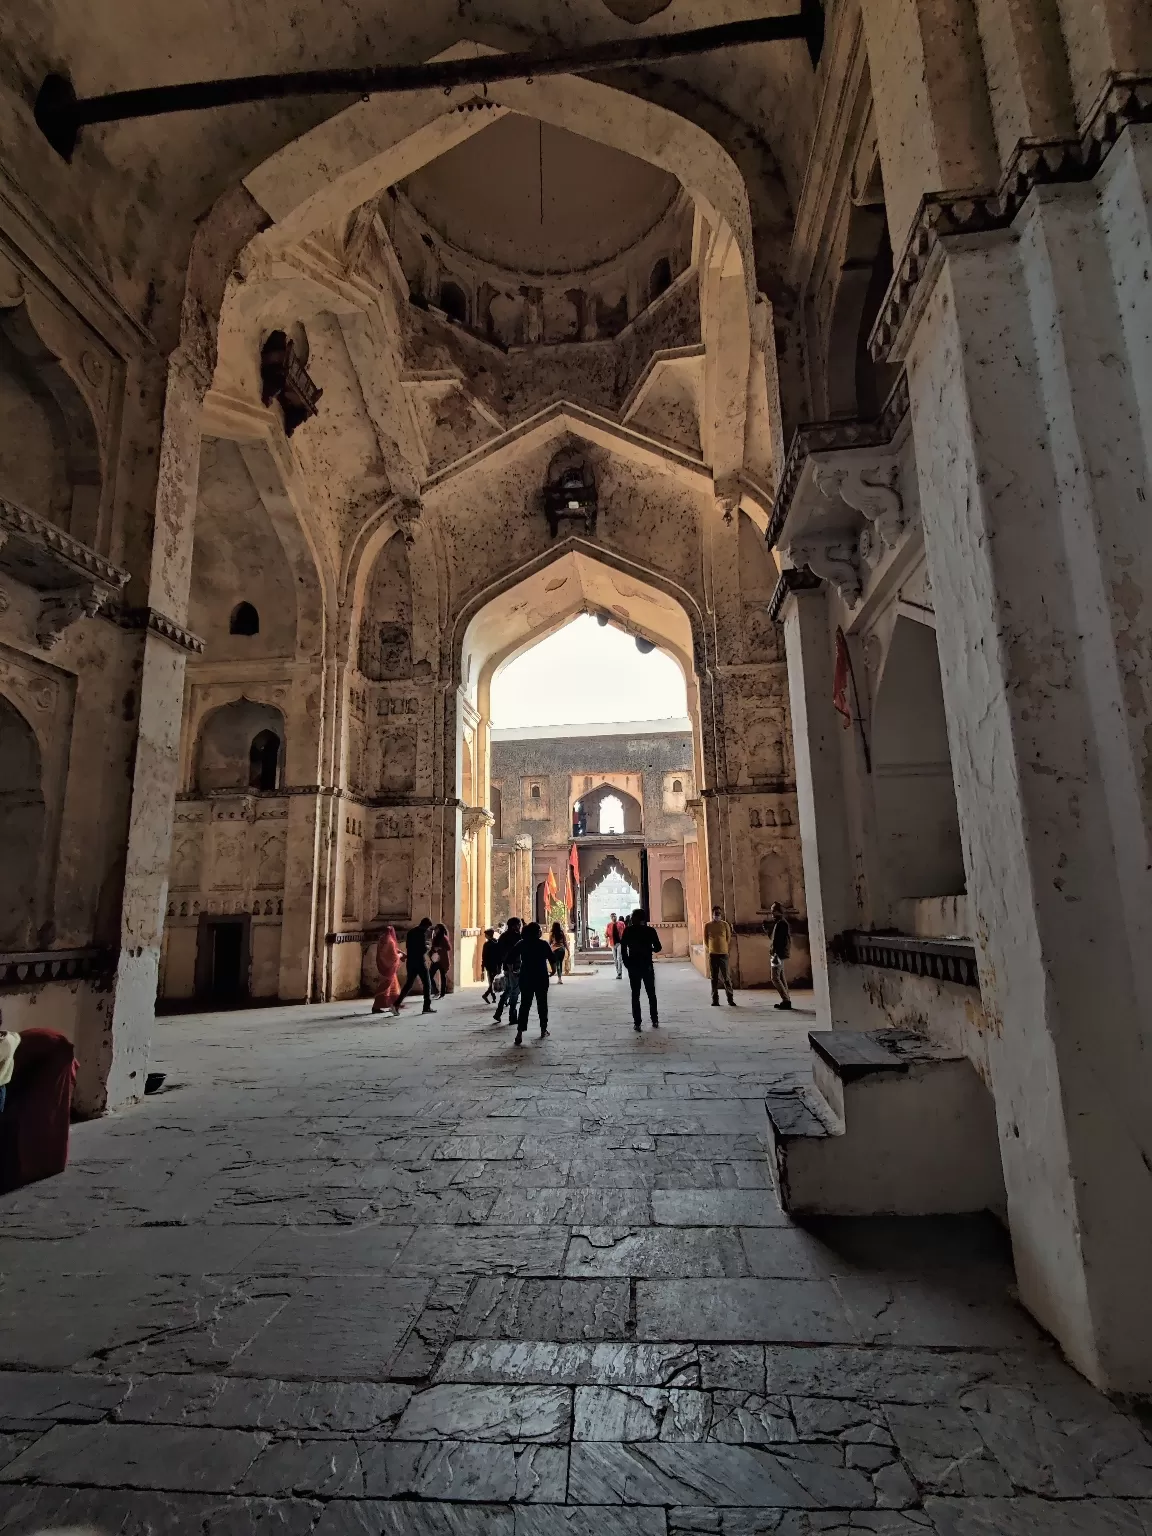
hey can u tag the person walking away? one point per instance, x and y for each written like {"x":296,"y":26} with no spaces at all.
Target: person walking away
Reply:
{"x":558,"y":951}
{"x":613,"y":934}
{"x":416,"y":961}
{"x":639,"y":943}
{"x":781,"y":949}
{"x":535,"y":961}
{"x":718,"y":942}
{"x":509,"y":959}
{"x":489,"y":964}
{"x":387,"y":964}
{"x":440,"y":958}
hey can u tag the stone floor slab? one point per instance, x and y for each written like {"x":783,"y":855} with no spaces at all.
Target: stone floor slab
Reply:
{"x":394,"y":1277}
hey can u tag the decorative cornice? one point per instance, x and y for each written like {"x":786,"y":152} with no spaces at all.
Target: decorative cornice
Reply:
{"x":66,"y":550}
{"x":1126,"y":99}
{"x":832,"y":437}
{"x":795,"y":579}
{"x":159,"y":624}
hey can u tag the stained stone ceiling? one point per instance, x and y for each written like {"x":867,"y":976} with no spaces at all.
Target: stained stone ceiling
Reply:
{"x":531,"y":197}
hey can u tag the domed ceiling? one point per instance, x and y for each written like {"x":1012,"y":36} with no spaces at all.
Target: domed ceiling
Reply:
{"x":530,"y":197}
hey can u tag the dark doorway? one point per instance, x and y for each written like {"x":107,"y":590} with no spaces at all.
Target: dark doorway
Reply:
{"x":264,"y":762}
{"x":222,"y":960}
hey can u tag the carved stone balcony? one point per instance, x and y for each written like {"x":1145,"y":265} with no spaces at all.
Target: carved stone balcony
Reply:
{"x":73,"y":580}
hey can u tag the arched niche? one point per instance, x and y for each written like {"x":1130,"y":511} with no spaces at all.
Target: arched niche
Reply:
{"x":386,"y":622}
{"x":853,"y":385}
{"x":917,"y":825}
{"x":672,"y":907}
{"x":243,"y":593}
{"x":50,"y":459}
{"x":594,"y":802}
{"x":22,"y":830}
{"x":774,"y":881}
{"x":235,"y":741}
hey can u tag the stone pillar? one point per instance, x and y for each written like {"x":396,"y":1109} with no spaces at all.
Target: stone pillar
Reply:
{"x":1032,"y":416}
{"x":816,"y":729}
{"x":123,"y":1056}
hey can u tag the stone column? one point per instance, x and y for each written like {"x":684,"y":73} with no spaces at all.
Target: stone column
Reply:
{"x":1032,"y":418}
{"x":816,"y":729}
{"x":123,"y":1056}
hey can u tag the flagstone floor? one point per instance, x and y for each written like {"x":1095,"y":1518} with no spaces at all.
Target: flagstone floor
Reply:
{"x":354,"y":1275}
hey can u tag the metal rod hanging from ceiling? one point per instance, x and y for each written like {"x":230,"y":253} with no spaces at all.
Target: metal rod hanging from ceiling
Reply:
{"x":60,"y":113}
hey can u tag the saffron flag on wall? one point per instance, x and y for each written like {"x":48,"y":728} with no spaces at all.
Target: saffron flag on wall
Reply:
{"x":840,"y":679}
{"x":551,"y":889}
{"x":573,"y":876}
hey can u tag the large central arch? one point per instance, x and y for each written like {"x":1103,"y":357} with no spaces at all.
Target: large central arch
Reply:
{"x":515,"y":613}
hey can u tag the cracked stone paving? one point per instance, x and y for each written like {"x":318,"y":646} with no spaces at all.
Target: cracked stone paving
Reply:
{"x":359,"y":1275}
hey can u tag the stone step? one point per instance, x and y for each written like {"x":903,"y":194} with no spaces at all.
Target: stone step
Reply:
{"x":892,"y":1124}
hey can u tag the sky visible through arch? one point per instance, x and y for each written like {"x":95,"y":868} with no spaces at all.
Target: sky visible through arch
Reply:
{"x":587,"y":674}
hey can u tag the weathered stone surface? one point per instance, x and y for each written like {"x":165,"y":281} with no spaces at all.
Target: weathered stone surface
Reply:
{"x":573,"y":1364}
{"x":139,"y":1456}
{"x":546,"y":1309}
{"x":473,"y":1412}
{"x":322,"y":1394}
{"x":739,"y":1309}
{"x":641,"y":1413}
{"x":475,"y":1473}
{"x":742,"y":1207}
{"x":651,"y":1251}
{"x":717,"y":1474}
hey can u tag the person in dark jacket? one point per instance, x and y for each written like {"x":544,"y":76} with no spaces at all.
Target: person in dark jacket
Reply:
{"x":416,"y":961}
{"x":490,"y":964}
{"x":535,"y":963}
{"x":558,"y":945}
{"x":509,"y":961}
{"x":639,"y":944}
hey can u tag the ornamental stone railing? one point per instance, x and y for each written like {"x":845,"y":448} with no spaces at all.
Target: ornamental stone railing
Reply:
{"x":951,"y":960}
{"x":24,"y":968}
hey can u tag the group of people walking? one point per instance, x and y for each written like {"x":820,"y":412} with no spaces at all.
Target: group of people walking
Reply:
{"x":519,"y":964}
{"x":518,"y":967}
{"x":427,"y":960}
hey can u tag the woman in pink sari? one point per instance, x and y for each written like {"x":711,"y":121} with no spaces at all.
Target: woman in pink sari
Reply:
{"x":387,"y":963}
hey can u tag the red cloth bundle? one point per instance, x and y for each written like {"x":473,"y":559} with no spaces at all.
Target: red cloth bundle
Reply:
{"x":38,"y":1110}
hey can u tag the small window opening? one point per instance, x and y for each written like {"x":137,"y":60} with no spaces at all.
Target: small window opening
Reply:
{"x":244,"y":621}
{"x":535,"y":791}
{"x":661,"y":279}
{"x":264,"y":761}
{"x":677,"y":787}
{"x":454,"y":303}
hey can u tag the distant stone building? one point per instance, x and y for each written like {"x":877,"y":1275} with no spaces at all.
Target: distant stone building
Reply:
{"x":621,"y":796}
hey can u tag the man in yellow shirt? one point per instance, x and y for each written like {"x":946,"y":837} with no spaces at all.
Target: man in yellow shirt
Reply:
{"x":717,"y":939}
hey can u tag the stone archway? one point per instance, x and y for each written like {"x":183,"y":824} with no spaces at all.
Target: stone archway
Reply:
{"x":526,"y":606}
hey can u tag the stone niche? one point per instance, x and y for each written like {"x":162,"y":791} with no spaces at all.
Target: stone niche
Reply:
{"x":36,"y":710}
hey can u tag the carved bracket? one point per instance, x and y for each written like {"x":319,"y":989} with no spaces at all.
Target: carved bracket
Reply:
{"x":869,"y":489}
{"x":835,"y":558}
{"x":473,"y":817}
{"x":60,"y":609}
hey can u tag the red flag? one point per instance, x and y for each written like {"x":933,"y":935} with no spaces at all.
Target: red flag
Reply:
{"x":551,"y":889}
{"x":840,"y":679}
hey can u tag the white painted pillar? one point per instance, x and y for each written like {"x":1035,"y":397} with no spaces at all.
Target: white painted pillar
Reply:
{"x":1029,"y":404}
{"x":816,"y":728}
